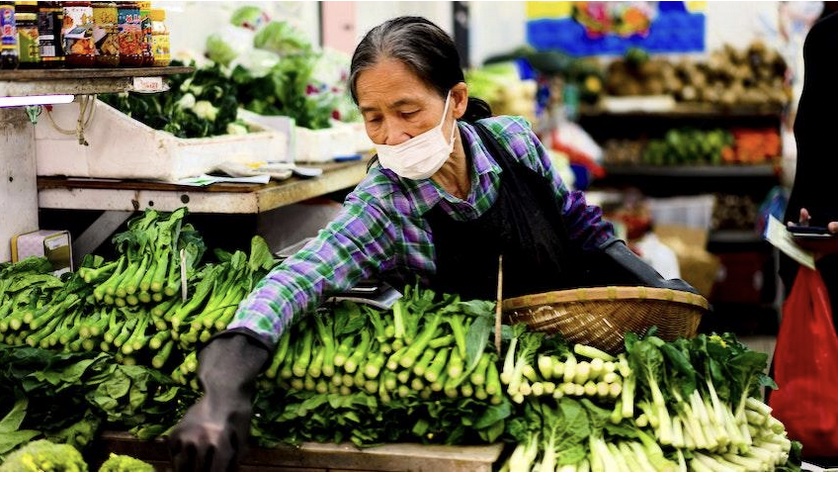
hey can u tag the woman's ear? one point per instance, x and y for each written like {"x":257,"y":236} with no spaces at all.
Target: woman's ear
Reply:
{"x":460,"y":95}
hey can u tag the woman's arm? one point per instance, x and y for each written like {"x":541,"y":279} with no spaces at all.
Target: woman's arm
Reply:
{"x":357,"y":244}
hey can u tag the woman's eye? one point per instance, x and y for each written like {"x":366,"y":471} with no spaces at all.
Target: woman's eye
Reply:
{"x":410,"y":114}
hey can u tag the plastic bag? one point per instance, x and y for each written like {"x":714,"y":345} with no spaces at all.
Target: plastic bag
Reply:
{"x":805,"y":363}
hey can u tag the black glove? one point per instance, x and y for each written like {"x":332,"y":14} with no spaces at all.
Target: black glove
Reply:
{"x":213,"y":434}
{"x":640,"y":271}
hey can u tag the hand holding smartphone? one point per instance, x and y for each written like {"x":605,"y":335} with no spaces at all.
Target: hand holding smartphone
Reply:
{"x":817,"y":240}
{"x":808,"y":232}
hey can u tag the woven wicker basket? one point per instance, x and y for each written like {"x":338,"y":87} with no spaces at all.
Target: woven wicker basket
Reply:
{"x":600,"y":316}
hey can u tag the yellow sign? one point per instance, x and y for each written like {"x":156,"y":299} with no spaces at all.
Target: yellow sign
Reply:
{"x":548,"y":9}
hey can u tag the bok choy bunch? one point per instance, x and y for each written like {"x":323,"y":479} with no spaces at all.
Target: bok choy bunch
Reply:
{"x":686,"y":405}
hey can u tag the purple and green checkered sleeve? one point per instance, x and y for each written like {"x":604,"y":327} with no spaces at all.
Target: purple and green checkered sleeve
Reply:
{"x":359,"y":241}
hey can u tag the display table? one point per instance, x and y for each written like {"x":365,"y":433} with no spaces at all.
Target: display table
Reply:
{"x":311,"y":456}
{"x":119,"y":199}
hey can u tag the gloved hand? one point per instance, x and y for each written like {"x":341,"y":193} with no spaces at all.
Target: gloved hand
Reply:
{"x":213,"y":434}
{"x":642,"y":271}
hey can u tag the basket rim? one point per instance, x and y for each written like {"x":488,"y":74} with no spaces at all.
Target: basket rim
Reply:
{"x":606,"y":293}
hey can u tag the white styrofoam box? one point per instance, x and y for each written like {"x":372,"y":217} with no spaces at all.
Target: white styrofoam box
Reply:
{"x":278,"y":123}
{"x":122,"y":147}
{"x":325,"y":145}
{"x":690,"y":210}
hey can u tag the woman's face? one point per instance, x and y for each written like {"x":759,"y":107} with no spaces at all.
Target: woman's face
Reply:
{"x":396,"y":105}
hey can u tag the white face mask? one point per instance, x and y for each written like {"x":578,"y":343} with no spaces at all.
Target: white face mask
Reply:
{"x":419,"y":157}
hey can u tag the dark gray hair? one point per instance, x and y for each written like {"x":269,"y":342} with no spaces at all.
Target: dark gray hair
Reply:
{"x":424,"y":48}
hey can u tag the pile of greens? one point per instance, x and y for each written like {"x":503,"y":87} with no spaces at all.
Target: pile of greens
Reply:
{"x":424,"y":371}
{"x":114,"y":342}
{"x":68,"y":397}
{"x":687,"y":405}
{"x":113,"y":345}
{"x":267,"y":68}
{"x":200,"y":104}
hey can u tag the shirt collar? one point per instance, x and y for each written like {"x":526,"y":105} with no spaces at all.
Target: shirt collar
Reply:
{"x":425,"y":194}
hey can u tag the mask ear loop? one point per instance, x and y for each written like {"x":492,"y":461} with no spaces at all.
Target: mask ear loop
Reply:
{"x":443,"y":120}
{"x":452,"y":136}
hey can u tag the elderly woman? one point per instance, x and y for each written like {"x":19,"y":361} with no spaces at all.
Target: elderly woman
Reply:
{"x":453,"y":190}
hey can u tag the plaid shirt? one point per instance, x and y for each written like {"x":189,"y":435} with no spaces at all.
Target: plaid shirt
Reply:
{"x":381,"y":227}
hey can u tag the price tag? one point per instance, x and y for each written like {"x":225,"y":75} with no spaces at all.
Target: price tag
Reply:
{"x":149,"y":85}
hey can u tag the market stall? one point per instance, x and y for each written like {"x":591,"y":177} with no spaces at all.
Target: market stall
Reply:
{"x":98,"y":359}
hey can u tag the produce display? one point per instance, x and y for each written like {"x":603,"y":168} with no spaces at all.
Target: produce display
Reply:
{"x":694,"y":146}
{"x":499,"y":84}
{"x":269,"y":70}
{"x":423,"y":372}
{"x":729,"y":76}
{"x":113,"y":346}
{"x":686,"y":405}
{"x":688,"y":146}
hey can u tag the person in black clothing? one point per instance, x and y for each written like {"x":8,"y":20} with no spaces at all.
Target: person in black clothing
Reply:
{"x":815,"y":130}
{"x":813,"y":200}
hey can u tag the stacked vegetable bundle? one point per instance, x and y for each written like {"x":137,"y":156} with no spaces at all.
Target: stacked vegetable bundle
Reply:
{"x":686,"y":405}
{"x":423,"y":371}
{"x":151,"y":305}
{"x":114,"y":342}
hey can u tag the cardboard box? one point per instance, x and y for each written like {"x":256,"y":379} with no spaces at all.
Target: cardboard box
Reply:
{"x":124,"y":148}
{"x":698,"y":267}
{"x":55,"y":245}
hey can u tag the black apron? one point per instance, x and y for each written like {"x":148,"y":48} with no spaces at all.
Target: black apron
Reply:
{"x":525,"y":225}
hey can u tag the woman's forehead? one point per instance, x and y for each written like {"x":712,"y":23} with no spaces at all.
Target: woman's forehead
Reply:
{"x":389,"y":81}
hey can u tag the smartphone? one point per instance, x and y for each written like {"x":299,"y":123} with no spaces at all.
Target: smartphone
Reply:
{"x":799,"y":231}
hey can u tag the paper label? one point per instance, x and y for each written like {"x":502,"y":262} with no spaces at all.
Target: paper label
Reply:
{"x":149,"y":85}
{"x":779,"y":237}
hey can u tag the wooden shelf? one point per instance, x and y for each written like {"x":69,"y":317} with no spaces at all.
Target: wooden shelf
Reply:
{"x":687,"y":110}
{"x":707,"y":171}
{"x":120,"y":195}
{"x":77,"y":81}
{"x":48,"y":74}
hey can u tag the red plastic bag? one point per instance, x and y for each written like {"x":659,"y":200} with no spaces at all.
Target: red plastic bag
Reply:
{"x":805,"y":363}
